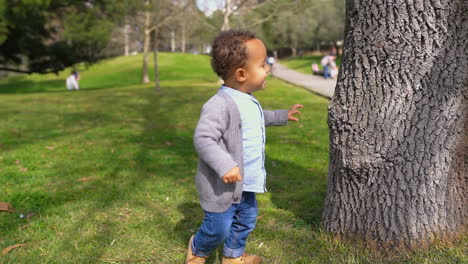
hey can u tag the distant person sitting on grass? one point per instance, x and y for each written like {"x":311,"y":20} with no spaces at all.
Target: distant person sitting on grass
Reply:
{"x":327,"y":62}
{"x":72,"y":81}
{"x":230,"y":141}
{"x":316,"y":70}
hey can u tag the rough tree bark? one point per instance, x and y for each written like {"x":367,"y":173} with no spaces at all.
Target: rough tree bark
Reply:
{"x":399,"y":125}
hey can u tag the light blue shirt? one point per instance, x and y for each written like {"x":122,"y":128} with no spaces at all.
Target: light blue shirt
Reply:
{"x":253,"y":139}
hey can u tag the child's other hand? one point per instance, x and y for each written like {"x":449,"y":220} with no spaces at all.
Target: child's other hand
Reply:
{"x":232,"y":176}
{"x":293,"y":110}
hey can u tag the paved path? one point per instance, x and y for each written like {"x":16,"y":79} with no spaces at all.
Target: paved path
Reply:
{"x":311,"y":82}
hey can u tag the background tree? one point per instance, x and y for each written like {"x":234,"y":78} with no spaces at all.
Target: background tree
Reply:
{"x":304,"y":25}
{"x":157,"y":13}
{"x":398,"y":125}
{"x":47,"y":36}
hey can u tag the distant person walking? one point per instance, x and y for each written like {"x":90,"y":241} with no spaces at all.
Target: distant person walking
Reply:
{"x":327,"y":63}
{"x":72,"y":81}
{"x":270,"y":61}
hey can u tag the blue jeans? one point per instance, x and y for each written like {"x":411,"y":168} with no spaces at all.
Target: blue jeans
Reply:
{"x":233,"y":227}
{"x":326,"y":71}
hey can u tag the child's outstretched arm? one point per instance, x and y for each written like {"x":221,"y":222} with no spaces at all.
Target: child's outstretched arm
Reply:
{"x":292,"y":111}
{"x":281,"y":117}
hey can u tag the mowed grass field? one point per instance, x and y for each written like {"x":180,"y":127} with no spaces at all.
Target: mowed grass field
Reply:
{"x":106,"y":174}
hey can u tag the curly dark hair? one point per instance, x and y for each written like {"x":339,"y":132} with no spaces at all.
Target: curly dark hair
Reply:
{"x":229,"y":52}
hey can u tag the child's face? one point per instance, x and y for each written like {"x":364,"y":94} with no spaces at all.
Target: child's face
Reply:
{"x":256,"y":68}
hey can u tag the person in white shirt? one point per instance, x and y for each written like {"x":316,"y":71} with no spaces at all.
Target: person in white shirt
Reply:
{"x":72,"y":81}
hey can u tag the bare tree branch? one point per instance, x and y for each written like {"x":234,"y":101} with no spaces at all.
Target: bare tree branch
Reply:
{"x":167,"y":18}
{"x":241,"y":4}
{"x":275,"y":11}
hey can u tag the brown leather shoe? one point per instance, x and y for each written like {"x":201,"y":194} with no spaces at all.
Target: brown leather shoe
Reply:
{"x":191,"y":258}
{"x":244,"y":259}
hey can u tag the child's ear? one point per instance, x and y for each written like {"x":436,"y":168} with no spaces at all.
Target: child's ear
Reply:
{"x":240,"y":75}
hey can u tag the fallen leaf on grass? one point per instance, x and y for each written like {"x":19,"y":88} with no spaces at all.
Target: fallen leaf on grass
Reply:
{"x":25,"y":226}
{"x":18,"y":162}
{"x":50,"y":147}
{"x":8,"y":249}
{"x":86,"y":179}
{"x":30,"y":215}
{"x":4,"y":206}
{"x":22,"y":169}
{"x":260,"y":216}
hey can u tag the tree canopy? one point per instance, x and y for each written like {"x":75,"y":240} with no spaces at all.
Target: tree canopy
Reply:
{"x":45,"y":36}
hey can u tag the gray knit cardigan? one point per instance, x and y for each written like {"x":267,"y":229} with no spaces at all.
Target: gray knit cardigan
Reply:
{"x":218,"y":141}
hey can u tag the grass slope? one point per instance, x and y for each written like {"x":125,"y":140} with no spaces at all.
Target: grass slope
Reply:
{"x":109,"y":170}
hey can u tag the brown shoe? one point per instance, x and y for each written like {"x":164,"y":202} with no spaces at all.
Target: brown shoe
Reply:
{"x":191,"y":258}
{"x":244,"y":259}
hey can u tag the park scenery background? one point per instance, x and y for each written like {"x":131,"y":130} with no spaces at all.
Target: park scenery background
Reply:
{"x":106,"y":173}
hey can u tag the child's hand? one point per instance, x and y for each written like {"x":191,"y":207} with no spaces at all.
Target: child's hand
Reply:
{"x":232,"y":176}
{"x":293,"y":110}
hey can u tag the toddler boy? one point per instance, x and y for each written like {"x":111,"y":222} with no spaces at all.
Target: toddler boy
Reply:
{"x":230,"y":141}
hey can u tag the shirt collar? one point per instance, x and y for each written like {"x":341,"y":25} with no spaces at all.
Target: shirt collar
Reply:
{"x":235,"y":93}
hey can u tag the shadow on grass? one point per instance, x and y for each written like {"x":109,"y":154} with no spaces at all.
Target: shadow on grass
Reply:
{"x":298,"y":190}
{"x":54,"y":86}
{"x":23,"y":86}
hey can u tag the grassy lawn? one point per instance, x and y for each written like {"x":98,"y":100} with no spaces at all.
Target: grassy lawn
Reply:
{"x":304,"y":63}
{"x":107,"y":173}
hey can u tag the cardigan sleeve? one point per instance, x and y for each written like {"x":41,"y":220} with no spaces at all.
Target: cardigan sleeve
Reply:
{"x":210,"y":128}
{"x":275,"y":118}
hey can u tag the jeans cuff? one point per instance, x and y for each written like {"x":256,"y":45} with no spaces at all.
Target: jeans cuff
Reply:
{"x":233,"y":253}
{"x":199,"y":253}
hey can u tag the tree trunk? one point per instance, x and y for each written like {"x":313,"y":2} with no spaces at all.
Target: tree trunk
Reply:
{"x":183,"y":40}
{"x":173,"y":41}
{"x":398,"y":125}
{"x":146,"y":46}
{"x":227,"y":16}
{"x":126,"y":32}
{"x":156,"y":45}
{"x":337,"y":48}
{"x":294,"y":52}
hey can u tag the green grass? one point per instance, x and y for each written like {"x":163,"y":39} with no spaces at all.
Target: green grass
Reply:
{"x":109,"y":170}
{"x":304,"y":63}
